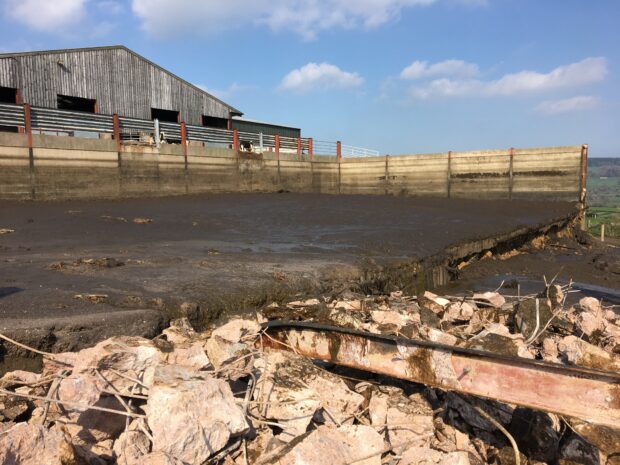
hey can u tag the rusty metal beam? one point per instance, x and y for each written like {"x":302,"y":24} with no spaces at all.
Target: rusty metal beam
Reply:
{"x":587,"y":394}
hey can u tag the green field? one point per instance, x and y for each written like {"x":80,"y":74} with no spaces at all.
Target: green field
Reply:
{"x":604,"y":196}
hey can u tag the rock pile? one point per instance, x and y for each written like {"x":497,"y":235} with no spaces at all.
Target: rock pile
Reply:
{"x":189,"y":398}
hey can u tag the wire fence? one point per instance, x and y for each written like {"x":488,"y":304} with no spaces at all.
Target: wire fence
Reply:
{"x":83,"y":124}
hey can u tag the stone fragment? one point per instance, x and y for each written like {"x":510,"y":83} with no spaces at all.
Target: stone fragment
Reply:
{"x":589,"y":323}
{"x":494,"y":299}
{"x":231,"y":341}
{"x":459,"y":311}
{"x":590,"y":305}
{"x":303,"y":303}
{"x":348,"y":444}
{"x":192,"y":312}
{"x":579,"y":352}
{"x":391,"y":317}
{"x":549,"y":350}
{"x":292,"y":389}
{"x":427,"y":456}
{"x":532,"y":315}
{"x":12,"y":407}
{"x":18,"y":377}
{"x":131,"y":446}
{"x":190,"y":355}
{"x":191,"y":414}
{"x":159,"y":458}
{"x":27,"y":444}
{"x":180,"y":331}
{"x":409,"y":421}
{"x":350,"y":305}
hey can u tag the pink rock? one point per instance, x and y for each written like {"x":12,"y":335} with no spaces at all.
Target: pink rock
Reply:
{"x":358,"y":444}
{"x":27,"y":444}
{"x":493,"y":299}
{"x":191,"y":414}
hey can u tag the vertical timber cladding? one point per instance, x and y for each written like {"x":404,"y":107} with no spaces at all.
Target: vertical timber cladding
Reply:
{"x":120,"y":80}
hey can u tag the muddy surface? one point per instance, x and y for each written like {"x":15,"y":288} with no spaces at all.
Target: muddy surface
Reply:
{"x":593,"y":267}
{"x":216,"y":250}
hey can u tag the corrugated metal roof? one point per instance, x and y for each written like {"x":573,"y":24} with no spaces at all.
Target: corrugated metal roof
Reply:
{"x":120,"y":47}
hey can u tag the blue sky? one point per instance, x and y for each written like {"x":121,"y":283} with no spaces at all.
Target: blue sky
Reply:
{"x":400,"y":76}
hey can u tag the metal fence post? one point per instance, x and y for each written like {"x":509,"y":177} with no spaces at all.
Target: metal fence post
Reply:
{"x":339,"y":150}
{"x":277,"y":143}
{"x":235,"y":140}
{"x":299,"y":146}
{"x":511,"y":173}
{"x":310,"y":148}
{"x":260,"y":141}
{"x":184,"y":138}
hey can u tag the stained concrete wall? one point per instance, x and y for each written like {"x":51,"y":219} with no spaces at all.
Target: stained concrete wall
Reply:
{"x":70,"y":167}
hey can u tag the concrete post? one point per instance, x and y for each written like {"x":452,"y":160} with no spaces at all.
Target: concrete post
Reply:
{"x":602,"y":232}
{"x":310,"y":148}
{"x":260,"y":141}
{"x":338,"y":150}
{"x":277,"y":143}
{"x":299,"y":147}
{"x":157,"y":132}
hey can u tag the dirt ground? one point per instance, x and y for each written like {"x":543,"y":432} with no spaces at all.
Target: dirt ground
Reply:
{"x":75,"y":272}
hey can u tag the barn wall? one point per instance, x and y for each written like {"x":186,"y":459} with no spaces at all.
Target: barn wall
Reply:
{"x":121,"y":82}
{"x":70,"y":167}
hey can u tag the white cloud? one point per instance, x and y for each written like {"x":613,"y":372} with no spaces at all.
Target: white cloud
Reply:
{"x":455,"y":68}
{"x":304,"y":17}
{"x":322,"y":76}
{"x":578,"y":74}
{"x":579,"y":103}
{"x":46,"y":15}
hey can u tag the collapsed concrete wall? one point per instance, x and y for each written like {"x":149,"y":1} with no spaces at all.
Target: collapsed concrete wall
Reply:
{"x":70,"y":167}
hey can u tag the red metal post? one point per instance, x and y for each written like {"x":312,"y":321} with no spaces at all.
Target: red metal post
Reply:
{"x":117,"y":131}
{"x":339,"y":150}
{"x":277,"y":143}
{"x":235,"y":139}
{"x":18,"y":97}
{"x":229,"y":124}
{"x":28,"y":123}
{"x":310,"y":149}
{"x":184,"y":137}
{"x":299,"y":146}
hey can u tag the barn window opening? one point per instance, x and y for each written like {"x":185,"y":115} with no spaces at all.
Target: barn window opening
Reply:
{"x":8,"y":95}
{"x":169,"y":116}
{"x":214,"y":122}
{"x":67,"y":102}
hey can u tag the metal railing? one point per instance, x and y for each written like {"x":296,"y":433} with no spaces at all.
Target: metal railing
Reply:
{"x":49,"y":120}
{"x":351,"y":151}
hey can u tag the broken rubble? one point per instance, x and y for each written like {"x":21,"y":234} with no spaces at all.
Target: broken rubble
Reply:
{"x":292,"y":389}
{"x":191,"y":414}
{"x":26,"y":444}
{"x":347,"y":444}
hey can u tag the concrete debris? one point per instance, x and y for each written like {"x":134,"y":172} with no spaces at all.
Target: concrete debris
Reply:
{"x":220,"y":396}
{"x":344,"y":445}
{"x":191,"y":414}
{"x":493,"y":299}
{"x":142,"y":220}
{"x":94,"y":298}
{"x":293,"y":391}
{"x":26,"y":444}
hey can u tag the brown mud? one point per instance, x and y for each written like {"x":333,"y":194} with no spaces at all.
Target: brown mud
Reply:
{"x":76,"y":272}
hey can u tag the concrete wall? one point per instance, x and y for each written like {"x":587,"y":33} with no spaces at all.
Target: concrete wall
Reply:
{"x":69,"y":167}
